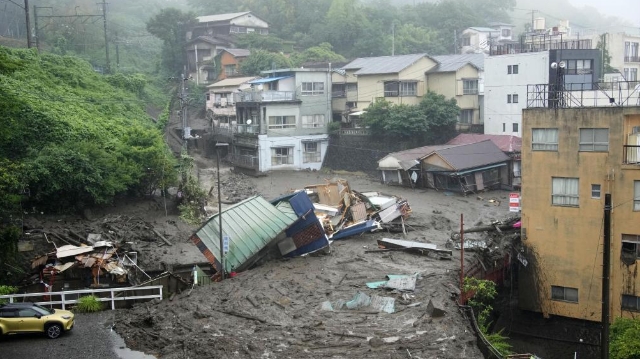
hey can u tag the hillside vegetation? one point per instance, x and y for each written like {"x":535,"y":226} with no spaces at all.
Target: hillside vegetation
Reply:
{"x":71,"y":138}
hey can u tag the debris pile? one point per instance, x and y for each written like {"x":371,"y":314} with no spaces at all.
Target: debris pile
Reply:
{"x":298,"y":223}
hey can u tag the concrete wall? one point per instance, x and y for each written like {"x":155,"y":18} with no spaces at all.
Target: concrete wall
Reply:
{"x":563,"y":244}
{"x":361,"y":153}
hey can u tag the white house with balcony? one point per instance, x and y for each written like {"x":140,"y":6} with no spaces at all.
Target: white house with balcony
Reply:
{"x":281,"y":121}
{"x":479,"y":39}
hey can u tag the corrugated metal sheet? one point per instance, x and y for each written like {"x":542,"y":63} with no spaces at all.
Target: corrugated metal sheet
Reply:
{"x":448,"y":63}
{"x":250,"y":225}
{"x":472,"y":155}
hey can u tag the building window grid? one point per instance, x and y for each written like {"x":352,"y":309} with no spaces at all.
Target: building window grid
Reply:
{"x":512,"y":98}
{"x":512,"y":69}
{"x":594,"y":139}
{"x":282,"y":122}
{"x":469,"y":87}
{"x":400,"y":88}
{"x":312,"y":88}
{"x":565,"y":191}
{"x":312,"y":121}
{"x":630,"y":302}
{"x":281,"y":156}
{"x":514,"y":127}
{"x":596,"y":191}
{"x":466,"y":117}
{"x":544,"y":139}
{"x":311,"y":152}
{"x":565,"y":294}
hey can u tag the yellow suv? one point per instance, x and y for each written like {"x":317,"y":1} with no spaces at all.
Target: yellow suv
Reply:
{"x":18,"y":318}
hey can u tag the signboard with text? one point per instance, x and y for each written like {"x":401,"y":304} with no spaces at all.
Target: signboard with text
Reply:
{"x":514,"y":202}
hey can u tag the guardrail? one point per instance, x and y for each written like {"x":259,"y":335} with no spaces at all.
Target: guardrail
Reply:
{"x":65,"y":300}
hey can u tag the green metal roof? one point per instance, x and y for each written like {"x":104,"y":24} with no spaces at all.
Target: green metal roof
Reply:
{"x":250,"y":225}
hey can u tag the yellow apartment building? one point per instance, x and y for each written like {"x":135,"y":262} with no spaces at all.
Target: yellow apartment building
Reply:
{"x":571,"y":158}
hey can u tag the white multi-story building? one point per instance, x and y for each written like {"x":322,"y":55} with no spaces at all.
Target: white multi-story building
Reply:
{"x":509,"y":78}
{"x":281,"y":122}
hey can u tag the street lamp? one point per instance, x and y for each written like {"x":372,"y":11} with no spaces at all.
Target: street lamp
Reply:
{"x":218,"y":146}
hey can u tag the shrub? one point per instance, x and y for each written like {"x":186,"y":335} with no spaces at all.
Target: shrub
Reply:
{"x":89,"y":304}
{"x":7,"y":289}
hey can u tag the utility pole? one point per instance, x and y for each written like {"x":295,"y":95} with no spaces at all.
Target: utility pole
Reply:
{"x":26,"y":13}
{"x":35,"y":20}
{"x":606,"y":263}
{"x":117,"y":53}
{"x":393,"y":39}
{"x":455,"y":41}
{"x":106,"y":38}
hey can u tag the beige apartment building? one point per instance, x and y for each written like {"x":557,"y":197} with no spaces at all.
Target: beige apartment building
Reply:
{"x":571,"y":158}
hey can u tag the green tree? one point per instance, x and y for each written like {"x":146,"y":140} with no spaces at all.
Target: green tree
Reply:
{"x":442,"y":115}
{"x":606,"y":57}
{"x":261,"y":60}
{"x":321,"y":53}
{"x":170,"y":25}
{"x":411,"y":39}
{"x":344,"y":25}
{"x":624,"y":334}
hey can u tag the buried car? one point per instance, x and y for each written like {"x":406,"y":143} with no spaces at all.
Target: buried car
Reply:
{"x":18,"y":318}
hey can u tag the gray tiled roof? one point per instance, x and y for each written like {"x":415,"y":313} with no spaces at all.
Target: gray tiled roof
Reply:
{"x":221,"y":17}
{"x":448,"y":63}
{"x":382,"y":64}
{"x":239,"y":52}
{"x":477,"y":154}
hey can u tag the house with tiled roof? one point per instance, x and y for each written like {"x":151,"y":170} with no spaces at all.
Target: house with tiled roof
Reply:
{"x":463,"y":168}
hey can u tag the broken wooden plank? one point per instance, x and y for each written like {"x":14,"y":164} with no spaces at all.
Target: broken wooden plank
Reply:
{"x":161,"y":237}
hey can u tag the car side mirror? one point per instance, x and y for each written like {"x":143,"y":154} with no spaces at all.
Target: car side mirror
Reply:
{"x":38,"y":315}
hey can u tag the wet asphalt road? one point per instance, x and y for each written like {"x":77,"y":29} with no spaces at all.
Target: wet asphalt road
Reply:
{"x":91,"y":337}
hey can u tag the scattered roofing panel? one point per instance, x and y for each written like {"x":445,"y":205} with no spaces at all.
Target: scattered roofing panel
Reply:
{"x":472,"y":155}
{"x":382,"y":64}
{"x":507,"y":143}
{"x":250,"y":225}
{"x":449,"y":63}
{"x":221,"y":17}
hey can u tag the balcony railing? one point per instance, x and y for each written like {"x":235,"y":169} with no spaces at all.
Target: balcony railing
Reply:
{"x":338,"y":94}
{"x":246,"y":161}
{"x":631,"y":155}
{"x":264,"y":96}
{"x":247,"y":129}
{"x":632,"y":58}
{"x":597,"y":94}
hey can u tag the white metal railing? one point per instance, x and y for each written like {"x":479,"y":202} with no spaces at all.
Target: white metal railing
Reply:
{"x":65,"y":300}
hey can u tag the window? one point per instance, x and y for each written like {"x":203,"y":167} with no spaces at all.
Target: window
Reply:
{"x":509,"y":98}
{"x":469,"y":87}
{"x":230,"y":70}
{"x":506,"y":33}
{"x":466,"y":41}
{"x":636,"y":195}
{"x":631,"y":247}
{"x":7,"y":313}
{"x":630,"y":302}
{"x":504,"y":127}
{"x":208,"y":96}
{"x":391,"y":89}
{"x":512,"y":69}
{"x":282,"y":122}
{"x":281,"y":156}
{"x":564,"y":192}
{"x":579,"y":67}
{"x":565,"y":294}
{"x":312,"y":121}
{"x":311,"y":152}
{"x":27,"y":313}
{"x":237,"y":30}
{"x":514,"y":98}
{"x":312,"y":88}
{"x":633,"y":74}
{"x":514,"y":127}
{"x":466,"y":116}
{"x":595,"y":191}
{"x":594,"y":139}
{"x":545,"y":139}
{"x":409,"y":88}
{"x":630,"y":51}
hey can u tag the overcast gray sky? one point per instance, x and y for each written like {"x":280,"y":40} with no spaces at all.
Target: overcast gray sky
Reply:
{"x":626,"y":9}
